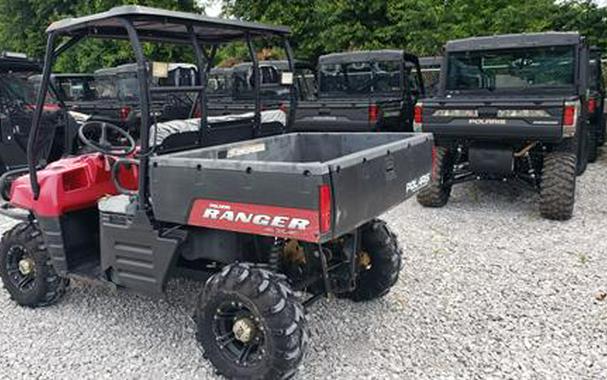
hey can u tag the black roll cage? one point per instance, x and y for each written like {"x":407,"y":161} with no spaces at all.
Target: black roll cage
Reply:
{"x":137,"y":24}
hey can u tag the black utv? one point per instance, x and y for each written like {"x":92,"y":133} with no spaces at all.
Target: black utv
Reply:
{"x":511,"y":107}
{"x":118,"y":95}
{"x":363,"y":91}
{"x":17,"y":105}
{"x":72,"y":89}
{"x":231,"y":90}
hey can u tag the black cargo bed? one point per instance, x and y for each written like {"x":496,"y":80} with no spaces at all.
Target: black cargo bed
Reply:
{"x":367,"y":173}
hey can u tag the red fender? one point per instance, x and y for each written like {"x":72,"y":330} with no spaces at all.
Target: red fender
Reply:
{"x":70,"y":184}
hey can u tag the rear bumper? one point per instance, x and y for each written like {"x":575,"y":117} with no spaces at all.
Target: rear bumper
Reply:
{"x":548,"y":133}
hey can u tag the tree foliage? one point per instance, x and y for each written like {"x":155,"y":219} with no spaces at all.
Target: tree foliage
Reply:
{"x":420,"y":26}
{"x":23,"y":22}
{"x":319,"y":26}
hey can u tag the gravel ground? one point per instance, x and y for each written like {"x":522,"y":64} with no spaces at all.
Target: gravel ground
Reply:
{"x":489,"y":290}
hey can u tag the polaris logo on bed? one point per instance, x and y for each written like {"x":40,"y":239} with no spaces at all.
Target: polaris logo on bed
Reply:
{"x":418,"y":184}
{"x":284,"y":222}
{"x":487,"y":121}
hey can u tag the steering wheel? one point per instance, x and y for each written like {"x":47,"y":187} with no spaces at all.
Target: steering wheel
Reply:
{"x":103,"y":145}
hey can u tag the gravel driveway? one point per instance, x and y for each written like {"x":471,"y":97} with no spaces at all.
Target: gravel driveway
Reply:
{"x":489,"y":290}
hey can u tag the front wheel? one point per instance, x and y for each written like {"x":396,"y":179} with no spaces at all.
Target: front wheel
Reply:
{"x":379,"y":260}
{"x":250,"y":324}
{"x":557,"y":190}
{"x":26,"y":269}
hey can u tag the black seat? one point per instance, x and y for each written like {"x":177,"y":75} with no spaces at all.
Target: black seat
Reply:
{"x":178,"y":135}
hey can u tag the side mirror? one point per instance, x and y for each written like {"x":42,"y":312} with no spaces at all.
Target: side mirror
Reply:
{"x":286,"y":78}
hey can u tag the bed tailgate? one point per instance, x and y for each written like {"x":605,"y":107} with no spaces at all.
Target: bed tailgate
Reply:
{"x":367,"y":184}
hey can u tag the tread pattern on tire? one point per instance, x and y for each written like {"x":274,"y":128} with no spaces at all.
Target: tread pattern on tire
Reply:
{"x":386,"y":261}
{"x":436,"y":194}
{"x":557,"y":192}
{"x":593,"y":147}
{"x":281,"y":311}
{"x":46,"y":292}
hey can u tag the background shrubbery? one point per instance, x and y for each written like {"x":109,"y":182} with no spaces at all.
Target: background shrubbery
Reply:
{"x":319,"y":26}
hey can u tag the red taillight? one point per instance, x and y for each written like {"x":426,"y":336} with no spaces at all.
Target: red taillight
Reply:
{"x":373,"y":113}
{"x":124,"y":113}
{"x":592,"y":105}
{"x":324,"y":205}
{"x":569,"y":115}
{"x":197,"y":113}
{"x":282,"y":107}
{"x":418,"y":114}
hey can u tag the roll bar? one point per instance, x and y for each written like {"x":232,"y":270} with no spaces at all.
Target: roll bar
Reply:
{"x":204,"y":61}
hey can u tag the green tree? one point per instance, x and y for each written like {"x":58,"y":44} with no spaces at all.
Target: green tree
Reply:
{"x":420,"y":26}
{"x":23,"y":24}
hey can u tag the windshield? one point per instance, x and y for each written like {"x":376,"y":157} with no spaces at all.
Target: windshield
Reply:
{"x":361,"y":77}
{"x":514,"y":69}
{"x":76,"y":89}
{"x":123,"y":87}
{"x":15,"y":87}
{"x":219,"y":83}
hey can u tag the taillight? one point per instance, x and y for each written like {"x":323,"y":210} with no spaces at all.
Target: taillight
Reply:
{"x":324,"y":205}
{"x":592,"y":105}
{"x":418,"y":117}
{"x":570,"y":116}
{"x":124,"y":113}
{"x":373,"y":113}
{"x":282,"y":107}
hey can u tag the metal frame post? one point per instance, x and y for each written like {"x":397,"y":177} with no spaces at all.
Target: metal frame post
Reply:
{"x":292,"y":94}
{"x":202,"y":95}
{"x":257,"y":85}
{"x":142,"y":76}
{"x":41,"y":99}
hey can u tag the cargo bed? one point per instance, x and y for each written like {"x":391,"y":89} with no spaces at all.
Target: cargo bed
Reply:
{"x":267,"y":183}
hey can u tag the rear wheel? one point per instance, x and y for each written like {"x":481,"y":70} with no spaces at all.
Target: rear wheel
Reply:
{"x":26,"y":269}
{"x":380,"y":261}
{"x":600,"y":140}
{"x":557,"y":191}
{"x":583,"y":153}
{"x":250,"y":324}
{"x":593,"y":145}
{"x":437,"y":193}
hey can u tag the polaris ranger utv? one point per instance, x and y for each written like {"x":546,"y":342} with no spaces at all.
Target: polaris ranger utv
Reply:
{"x":272,"y":219}
{"x":118,"y":100}
{"x":511,"y":107}
{"x":17,"y":105}
{"x":237,"y":96}
{"x":363,"y":91}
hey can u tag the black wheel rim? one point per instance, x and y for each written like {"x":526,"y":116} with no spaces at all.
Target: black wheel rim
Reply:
{"x":21,"y":268}
{"x":242,"y":349}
